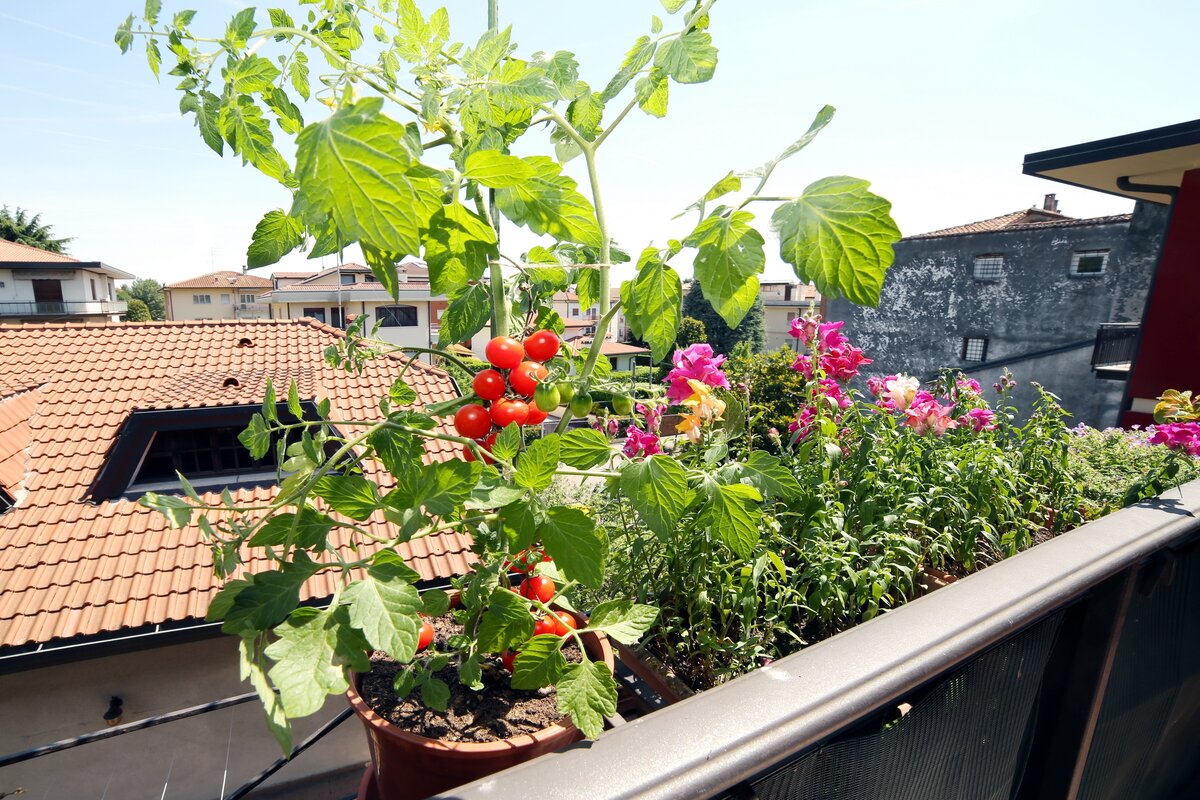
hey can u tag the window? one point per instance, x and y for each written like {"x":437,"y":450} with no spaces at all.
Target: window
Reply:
{"x":397,"y":316}
{"x":249,"y":298}
{"x":370,"y":278}
{"x":347,"y":278}
{"x":1089,"y":262}
{"x":316,"y":313}
{"x":202,"y":299}
{"x":989,"y":267}
{"x":93,"y":282}
{"x":6,"y":501}
{"x":337,"y":317}
{"x":974,"y":348}
{"x":199,"y":454}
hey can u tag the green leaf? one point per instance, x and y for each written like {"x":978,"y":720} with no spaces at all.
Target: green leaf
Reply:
{"x":458,"y":246}
{"x":536,"y":466}
{"x":275,"y":236}
{"x":584,"y":448}
{"x":355,"y":168}
{"x":221,"y":604}
{"x":839,"y":236}
{"x":766,"y":473}
{"x":290,"y":119}
{"x":517,"y":86}
{"x":435,"y":694}
{"x":240,"y":27}
{"x":298,"y":73}
{"x":269,"y":598}
{"x":585,"y":114}
{"x":587,"y":287}
{"x":441,"y":487}
{"x":623,"y":620}
{"x":465,"y":315}
{"x":153,"y":55}
{"x":672,"y":6}
{"x":280,"y":18}
{"x":311,"y":532}
{"x":652,"y":303}
{"x":506,"y":623}
{"x":690,"y":58}
{"x":823,"y":118}
{"x":577,"y":546}
{"x":401,"y":394}
{"x":398,"y":452}
{"x":497,"y":170}
{"x":652,"y":92}
{"x":208,"y":120}
{"x":730,"y":183}
{"x":733,"y":513}
{"x":242,"y":124}
{"x":588,"y":693}
{"x":658,"y":488}
{"x":470,"y":673}
{"x":252,"y":670}
{"x":183,"y":18}
{"x":508,"y":443}
{"x":310,"y":658}
{"x":177,"y":510}
{"x":549,"y":203}
{"x":434,"y":602}
{"x":493,"y":491}
{"x":386,"y":610}
{"x":730,"y":256}
{"x":563,"y":70}
{"x":351,"y":495}
{"x":635,"y":60}
{"x":540,"y":663}
{"x":253,"y":74}
{"x":388,"y":565}
{"x":151,"y":12}
{"x":124,"y":35}
{"x":519,"y":525}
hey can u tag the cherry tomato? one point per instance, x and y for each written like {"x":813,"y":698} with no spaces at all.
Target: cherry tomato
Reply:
{"x":542,"y":345}
{"x":538,"y":586}
{"x":536,"y":416}
{"x":581,"y":404}
{"x":489,"y":384}
{"x":546,"y":397}
{"x":472,"y":421}
{"x":507,"y":658}
{"x":566,"y":390}
{"x":524,"y":379}
{"x":544,"y":626}
{"x":426,"y":635}
{"x":506,"y":412}
{"x":564,"y":623}
{"x":504,"y":352}
{"x":486,"y":443}
{"x":622,"y":404}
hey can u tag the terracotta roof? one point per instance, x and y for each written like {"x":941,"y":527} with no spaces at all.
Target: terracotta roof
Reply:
{"x":374,"y":286}
{"x":15,"y":251}
{"x":609,"y":347}
{"x":225,"y":279}
{"x":308,"y":274}
{"x":1026,"y":219}
{"x":75,"y":568}
{"x":412,"y":268}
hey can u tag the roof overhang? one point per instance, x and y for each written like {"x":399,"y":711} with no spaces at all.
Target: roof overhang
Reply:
{"x":92,"y":266}
{"x":1148,"y":165}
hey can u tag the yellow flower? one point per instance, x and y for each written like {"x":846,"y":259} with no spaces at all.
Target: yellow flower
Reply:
{"x":704,"y":407}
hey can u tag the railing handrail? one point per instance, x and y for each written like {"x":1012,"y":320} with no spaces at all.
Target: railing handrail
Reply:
{"x":720,"y":738}
{"x":1116,"y":343}
{"x":63,"y":306}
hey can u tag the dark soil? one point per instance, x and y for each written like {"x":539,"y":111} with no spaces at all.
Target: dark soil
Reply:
{"x":495,"y":713}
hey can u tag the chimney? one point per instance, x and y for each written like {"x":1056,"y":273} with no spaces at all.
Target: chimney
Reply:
{"x":1050,"y":203}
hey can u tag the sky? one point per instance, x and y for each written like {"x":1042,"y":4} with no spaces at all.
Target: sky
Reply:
{"x":938,"y":102}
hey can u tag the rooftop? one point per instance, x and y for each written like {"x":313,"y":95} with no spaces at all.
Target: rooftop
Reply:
{"x":1026,"y":219}
{"x":75,"y":567}
{"x":224,"y":279}
{"x":15,"y":254}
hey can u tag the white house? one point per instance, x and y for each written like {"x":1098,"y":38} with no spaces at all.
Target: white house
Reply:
{"x":40,"y":286}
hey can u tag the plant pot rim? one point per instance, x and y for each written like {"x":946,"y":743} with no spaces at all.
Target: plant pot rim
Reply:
{"x":475,"y":749}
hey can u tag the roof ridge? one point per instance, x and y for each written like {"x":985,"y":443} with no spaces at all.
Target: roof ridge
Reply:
{"x":1062,"y":220}
{"x":147,"y":323}
{"x":42,"y":250}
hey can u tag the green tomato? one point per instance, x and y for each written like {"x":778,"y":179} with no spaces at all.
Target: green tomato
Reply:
{"x":546,"y":397}
{"x":566,"y":390}
{"x":581,"y":404}
{"x":622,"y":405}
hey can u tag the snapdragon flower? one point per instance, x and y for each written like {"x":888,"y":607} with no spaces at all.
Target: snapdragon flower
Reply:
{"x":694,"y":363}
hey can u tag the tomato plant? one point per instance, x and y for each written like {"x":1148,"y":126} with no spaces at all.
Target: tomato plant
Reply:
{"x":504,"y":352}
{"x":538,"y":587}
{"x":547,"y":397}
{"x":622,"y":405}
{"x":581,"y":404}
{"x":489,"y":384}
{"x":541,"y":345}
{"x":508,"y":412}
{"x":524,"y":379}
{"x":472,"y":422}
{"x":425,"y":637}
{"x":566,"y":391}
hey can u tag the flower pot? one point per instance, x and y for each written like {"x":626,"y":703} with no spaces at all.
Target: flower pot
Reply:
{"x":655,"y":675}
{"x":930,"y":578}
{"x":405,"y":766}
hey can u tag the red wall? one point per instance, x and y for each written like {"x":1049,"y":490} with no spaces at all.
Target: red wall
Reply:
{"x":1169,"y":354}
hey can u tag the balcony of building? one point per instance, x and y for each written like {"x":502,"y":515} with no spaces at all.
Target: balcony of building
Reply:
{"x":57,"y":309}
{"x":1114,"y":350}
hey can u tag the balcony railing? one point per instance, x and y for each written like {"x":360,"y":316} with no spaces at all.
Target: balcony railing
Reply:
{"x":1116,"y":345}
{"x":62,"y":308}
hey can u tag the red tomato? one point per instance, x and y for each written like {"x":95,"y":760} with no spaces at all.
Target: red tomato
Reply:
{"x":489,"y":384}
{"x":507,"y":658}
{"x":426,"y":635}
{"x":538,"y":586}
{"x":564,"y":623}
{"x":506,"y":412}
{"x":472,"y":422}
{"x":504,"y":352}
{"x":486,"y":443}
{"x":544,"y":626}
{"x":524,"y":379}
{"x":536,"y":416}
{"x":542,"y":345}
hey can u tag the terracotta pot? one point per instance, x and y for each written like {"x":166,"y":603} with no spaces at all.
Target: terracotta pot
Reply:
{"x":931,"y":578}
{"x":406,"y":766}
{"x":650,"y":670}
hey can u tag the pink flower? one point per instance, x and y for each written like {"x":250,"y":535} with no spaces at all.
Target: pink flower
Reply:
{"x":640,"y":443}
{"x":1178,"y":436}
{"x":876,"y":383}
{"x":696,"y":362}
{"x":928,"y":415}
{"x":981,"y":419}
{"x":653,"y":414}
{"x":805,"y":328}
{"x":803,"y":364}
{"x":802,"y":426}
{"x":968,"y":384}
{"x":842,"y":362}
{"x":833,"y":391}
{"x":613,"y":426}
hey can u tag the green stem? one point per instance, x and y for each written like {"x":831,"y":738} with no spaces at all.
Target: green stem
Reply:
{"x":500,"y":313}
{"x":587,"y":473}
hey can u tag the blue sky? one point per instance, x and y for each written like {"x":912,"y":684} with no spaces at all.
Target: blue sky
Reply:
{"x":938,"y":101}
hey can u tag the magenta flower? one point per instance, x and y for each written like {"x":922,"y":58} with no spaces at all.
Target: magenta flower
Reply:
{"x":1178,"y":436}
{"x":981,"y":419}
{"x":927,"y":415}
{"x":968,"y":384}
{"x":831,"y":389}
{"x":802,"y":426}
{"x":842,"y":362}
{"x":640,"y":443}
{"x":653,"y":414}
{"x":696,"y":362}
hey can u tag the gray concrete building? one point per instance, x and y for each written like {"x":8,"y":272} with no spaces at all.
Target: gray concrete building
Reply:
{"x":1028,"y":291}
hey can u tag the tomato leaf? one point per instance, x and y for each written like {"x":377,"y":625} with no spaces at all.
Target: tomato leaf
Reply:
{"x":536,"y":466}
{"x":386,"y":609}
{"x":729,"y":257}
{"x":506,"y":623}
{"x":658,"y":488}
{"x":577,"y":546}
{"x":310,"y":655}
{"x":311,"y":530}
{"x":540,"y":662}
{"x":652,"y":304}
{"x":458,"y":246}
{"x":352,"y":495}
{"x":253,"y":671}
{"x":733,"y":512}
{"x":497,"y":170}
{"x":549,"y":203}
{"x":465,"y":315}
{"x":588,"y":693}
{"x":584,"y":448}
{"x":623,"y":620}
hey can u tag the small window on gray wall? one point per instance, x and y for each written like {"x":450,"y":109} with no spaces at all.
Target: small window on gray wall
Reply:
{"x":974,"y":348}
{"x":989,"y":267}
{"x":397,"y":316}
{"x":1089,"y":262}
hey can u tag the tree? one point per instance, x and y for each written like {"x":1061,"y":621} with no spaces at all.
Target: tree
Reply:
{"x":776,"y":390}
{"x":24,"y":229}
{"x":691,"y":331}
{"x":138,"y":312}
{"x":147,"y":290}
{"x":722,"y":337}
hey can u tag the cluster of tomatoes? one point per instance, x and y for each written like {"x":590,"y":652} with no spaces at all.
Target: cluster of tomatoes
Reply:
{"x":516,"y":389}
{"x":540,"y":588}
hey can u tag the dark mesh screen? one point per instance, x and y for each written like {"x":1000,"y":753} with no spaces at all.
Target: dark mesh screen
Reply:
{"x":965,"y":738}
{"x":1147,"y":741}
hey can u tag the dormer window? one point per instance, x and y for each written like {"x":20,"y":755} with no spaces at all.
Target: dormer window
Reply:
{"x":6,"y":500}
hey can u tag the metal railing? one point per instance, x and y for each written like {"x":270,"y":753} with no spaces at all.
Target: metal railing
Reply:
{"x":1062,"y":672}
{"x":61,"y":308}
{"x":1116,"y":344}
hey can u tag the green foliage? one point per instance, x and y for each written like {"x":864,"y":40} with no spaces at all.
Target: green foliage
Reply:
{"x":148,"y":291}
{"x":724,"y":338}
{"x":1108,"y":464}
{"x":776,"y":390}
{"x":691,"y":331}
{"x":138,"y":312}
{"x":21,"y":228}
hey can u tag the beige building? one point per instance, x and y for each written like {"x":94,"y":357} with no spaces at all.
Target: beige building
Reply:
{"x":217,"y":295}
{"x":40,"y":286}
{"x":783,"y":301}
